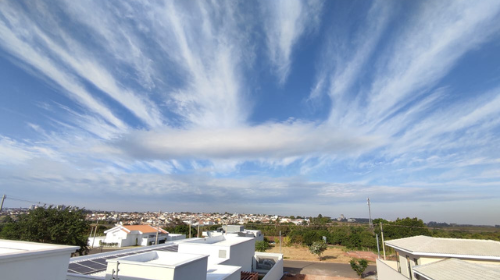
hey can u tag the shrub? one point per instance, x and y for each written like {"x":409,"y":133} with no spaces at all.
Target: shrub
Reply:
{"x":359,"y":266}
{"x":317,"y":248}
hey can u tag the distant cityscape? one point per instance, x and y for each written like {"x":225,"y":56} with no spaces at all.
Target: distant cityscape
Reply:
{"x":207,"y":219}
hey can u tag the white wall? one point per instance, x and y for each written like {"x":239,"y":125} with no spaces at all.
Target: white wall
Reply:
{"x":276,"y":272}
{"x":386,"y":272}
{"x":196,"y":270}
{"x":242,"y":254}
{"x":202,"y":249}
{"x":34,"y":261}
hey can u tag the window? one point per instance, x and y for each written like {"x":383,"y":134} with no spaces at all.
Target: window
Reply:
{"x":222,"y":254}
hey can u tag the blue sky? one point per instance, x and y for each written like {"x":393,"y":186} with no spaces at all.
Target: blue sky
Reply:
{"x":284,"y":107}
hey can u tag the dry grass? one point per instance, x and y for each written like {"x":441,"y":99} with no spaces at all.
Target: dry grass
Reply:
{"x":299,"y":253}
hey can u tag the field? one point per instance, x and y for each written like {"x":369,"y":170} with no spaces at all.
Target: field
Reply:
{"x":334,"y":254}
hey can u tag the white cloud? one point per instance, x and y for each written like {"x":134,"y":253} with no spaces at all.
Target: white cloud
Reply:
{"x":285,"y":22}
{"x":273,"y":141}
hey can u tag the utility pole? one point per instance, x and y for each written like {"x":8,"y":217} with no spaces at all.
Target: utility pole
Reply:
{"x":382,"y":233}
{"x":280,"y":241}
{"x":198,"y":233}
{"x":91,"y":234}
{"x":190,"y":222}
{"x":1,"y":205}
{"x":157,"y":227}
{"x":370,"y":224}
{"x":378,"y":248}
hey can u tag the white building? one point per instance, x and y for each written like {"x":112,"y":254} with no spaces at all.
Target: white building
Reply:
{"x":216,"y":258}
{"x":135,"y":235}
{"x":235,"y":230}
{"x":29,"y":260}
{"x":428,"y":258}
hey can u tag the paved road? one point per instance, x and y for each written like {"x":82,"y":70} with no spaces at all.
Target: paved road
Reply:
{"x":323,"y":268}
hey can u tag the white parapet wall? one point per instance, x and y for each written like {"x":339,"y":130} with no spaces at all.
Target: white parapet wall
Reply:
{"x":29,"y":260}
{"x":387,"y":270}
{"x":269,"y":263}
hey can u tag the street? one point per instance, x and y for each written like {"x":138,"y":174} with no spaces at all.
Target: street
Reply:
{"x":323,"y":268}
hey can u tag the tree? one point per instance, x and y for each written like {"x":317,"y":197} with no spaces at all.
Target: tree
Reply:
{"x":402,"y":228}
{"x":317,"y":248}
{"x":50,"y":225}
{"x":359,"y":266}
{"x":182,"y":229}
{"x":261,"y":246}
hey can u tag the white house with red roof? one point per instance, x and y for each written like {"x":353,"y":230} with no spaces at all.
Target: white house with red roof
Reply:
{"x":138,"y":235}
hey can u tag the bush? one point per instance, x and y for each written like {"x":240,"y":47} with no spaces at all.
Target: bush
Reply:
{"x":261,"y":246}
{"x":317,"y":248}
{"x":359,"y":266}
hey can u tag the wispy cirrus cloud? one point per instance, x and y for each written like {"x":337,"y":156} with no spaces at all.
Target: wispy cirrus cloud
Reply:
{"x":176,"y":101}
{"x":285,"y":22}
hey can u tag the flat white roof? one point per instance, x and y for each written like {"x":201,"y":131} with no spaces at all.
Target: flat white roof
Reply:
{"x":158,"y":258}
{"x":455,"y":269}
{"x":220,"y":272}
{"x":448,"y":247}
{"x":11,"y":248}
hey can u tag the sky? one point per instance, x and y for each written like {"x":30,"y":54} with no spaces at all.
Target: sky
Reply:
{"x":278,"y":107}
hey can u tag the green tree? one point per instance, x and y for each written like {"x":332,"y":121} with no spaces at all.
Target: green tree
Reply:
{"x":402,"y":228}
{"x":317,"y":248}
{"x":183,"y":229}
{"x":261,"y":246}
{"x":50,"y":225}
{"x":359,"y":266}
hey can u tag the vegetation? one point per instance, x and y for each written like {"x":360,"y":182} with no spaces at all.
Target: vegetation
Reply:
{"x":317,"y":248}
{"x":359,"y":266}
{"x":180,"y":227}
{"x":261,"y":246}
{"x":360,"y":237}
{"x":49,"y":225}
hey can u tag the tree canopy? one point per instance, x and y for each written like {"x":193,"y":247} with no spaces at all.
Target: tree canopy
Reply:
{"x":49,"y":225}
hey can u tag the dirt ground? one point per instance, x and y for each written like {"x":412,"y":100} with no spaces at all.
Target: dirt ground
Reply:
{"x":332,"y":254}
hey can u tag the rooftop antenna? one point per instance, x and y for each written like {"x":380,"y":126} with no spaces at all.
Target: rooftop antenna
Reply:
{"x":370,"y":224}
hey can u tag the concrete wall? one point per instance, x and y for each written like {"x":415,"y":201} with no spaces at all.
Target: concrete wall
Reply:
{"x":30,"y":260}
{"x":387,"y":272}
{"x":196,"y":270}
{"x":134,"y":271}
{"x":196,"y":248}
{"x":276,"y":272}
{"x":175,"y":236}
{"x":242,"y":254}
{"x":138,"y":267}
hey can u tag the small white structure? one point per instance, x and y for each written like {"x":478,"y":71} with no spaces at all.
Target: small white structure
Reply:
{"x":169,"y":266}
{"x":227,"y":250}
{"x":235,"y":229}
{"x":428,"y":258}
{"x":138,"y":235}
{"x":29,"y":260}
{"x":215,"y":258}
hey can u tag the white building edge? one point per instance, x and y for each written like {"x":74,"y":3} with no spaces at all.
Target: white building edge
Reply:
{"x":428,"y":258}
{"x":214,"y":258}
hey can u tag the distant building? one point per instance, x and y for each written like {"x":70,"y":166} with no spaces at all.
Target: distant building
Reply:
{"x":142,"y":235}
{"x":428,"y":258}
{"x":235,"y":230}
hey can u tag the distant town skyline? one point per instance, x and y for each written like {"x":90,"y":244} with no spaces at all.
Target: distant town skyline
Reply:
{"x":285,"y":107}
